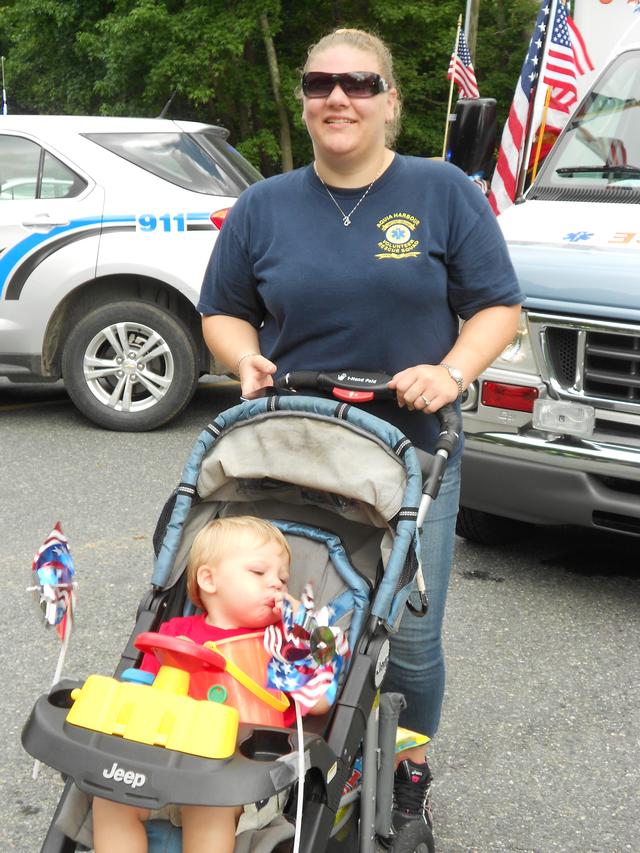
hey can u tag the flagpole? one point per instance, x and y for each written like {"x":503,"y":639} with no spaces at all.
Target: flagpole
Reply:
{"x":543,"y":124}
{"x":4,"y":93}
{"x":57,"y":674}
{"x":453,"y":75}
{"x":522,"y":174}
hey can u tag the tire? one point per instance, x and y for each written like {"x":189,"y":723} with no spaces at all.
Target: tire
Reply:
{"x":130,"y":366}
{"x":486,"y":529}
{"x":413,"y":837}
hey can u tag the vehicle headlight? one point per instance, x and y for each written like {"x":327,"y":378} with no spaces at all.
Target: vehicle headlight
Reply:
{"x":518,"y":355}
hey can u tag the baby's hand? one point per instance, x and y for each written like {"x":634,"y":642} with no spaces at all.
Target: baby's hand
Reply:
{"x":279,"y":598}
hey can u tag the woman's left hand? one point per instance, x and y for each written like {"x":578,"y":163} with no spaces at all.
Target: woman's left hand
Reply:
{"x":425,"y":388}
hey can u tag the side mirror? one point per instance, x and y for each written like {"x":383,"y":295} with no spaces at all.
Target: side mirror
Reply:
{"x":472,"y":135}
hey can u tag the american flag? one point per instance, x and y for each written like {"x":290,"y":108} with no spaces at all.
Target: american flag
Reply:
{"x":565,"y":59}
{"x":512,"y":146}
{"x":461,"y":68}
{"x":579,"y":48}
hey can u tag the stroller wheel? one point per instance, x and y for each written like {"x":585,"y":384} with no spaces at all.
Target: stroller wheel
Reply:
{"x":413,"y":837}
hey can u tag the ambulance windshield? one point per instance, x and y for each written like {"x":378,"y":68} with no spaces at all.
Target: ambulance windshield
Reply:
{"x":600,"y":149}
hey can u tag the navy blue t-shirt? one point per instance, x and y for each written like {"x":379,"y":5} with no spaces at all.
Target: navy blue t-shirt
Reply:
{"x":383,"y":294}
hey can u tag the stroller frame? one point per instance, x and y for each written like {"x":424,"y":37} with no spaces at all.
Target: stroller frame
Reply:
{"x":257,"y":769}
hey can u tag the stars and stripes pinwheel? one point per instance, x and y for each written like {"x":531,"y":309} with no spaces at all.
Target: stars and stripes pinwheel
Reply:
{"x":53,"y":581}
{"x":307,"y":652}
{"x":54,"y":588}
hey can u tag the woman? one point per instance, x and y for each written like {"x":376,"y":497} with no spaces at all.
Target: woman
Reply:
{"x":367,"y":259}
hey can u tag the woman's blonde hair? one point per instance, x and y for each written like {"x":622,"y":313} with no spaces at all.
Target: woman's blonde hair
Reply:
{"x":365,"y":41}
{"x":220,"y":536}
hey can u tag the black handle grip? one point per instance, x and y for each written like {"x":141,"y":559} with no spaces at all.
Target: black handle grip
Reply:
{"x":349,"y":380}
{"x":378,"y":385}
{"x":450,"y":428}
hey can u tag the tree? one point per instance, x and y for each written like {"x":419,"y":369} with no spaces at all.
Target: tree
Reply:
{"x":274,"y":73}
{"x":126,"y":57}
{"x":46,"y":70}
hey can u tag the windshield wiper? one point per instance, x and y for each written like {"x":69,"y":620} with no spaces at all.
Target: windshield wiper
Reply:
{"x":627,"y":171}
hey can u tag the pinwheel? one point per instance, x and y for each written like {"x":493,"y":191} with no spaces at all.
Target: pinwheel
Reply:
{"x":307,"y":652}
{"x":54,"y":588}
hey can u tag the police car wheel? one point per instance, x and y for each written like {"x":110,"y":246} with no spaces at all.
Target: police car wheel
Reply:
{"x":130,"y":366}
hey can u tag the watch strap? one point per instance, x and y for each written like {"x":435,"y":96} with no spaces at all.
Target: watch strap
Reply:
{"x":456,"y":375}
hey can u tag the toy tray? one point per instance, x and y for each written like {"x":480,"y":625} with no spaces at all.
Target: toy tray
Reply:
{"x":264,"y":763}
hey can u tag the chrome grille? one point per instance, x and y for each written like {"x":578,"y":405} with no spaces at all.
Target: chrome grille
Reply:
{"x":563,"y":349}
{"x":612,"y":366}
{"x":597,"y":361}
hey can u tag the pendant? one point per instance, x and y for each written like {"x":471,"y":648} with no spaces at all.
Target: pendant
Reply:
{"x":346,"y":221}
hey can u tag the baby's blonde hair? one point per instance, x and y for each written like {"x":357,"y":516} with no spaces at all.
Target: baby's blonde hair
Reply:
{"x":222,"y":535}
{"x":365,"y":41}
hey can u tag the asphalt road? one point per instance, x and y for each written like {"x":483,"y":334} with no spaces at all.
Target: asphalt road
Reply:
{"x":539,"y":746}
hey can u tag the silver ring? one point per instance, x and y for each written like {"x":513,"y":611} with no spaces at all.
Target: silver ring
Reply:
{"x":426,"y":402}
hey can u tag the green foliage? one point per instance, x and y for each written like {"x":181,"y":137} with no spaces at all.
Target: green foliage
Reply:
{"x":126,"y":57}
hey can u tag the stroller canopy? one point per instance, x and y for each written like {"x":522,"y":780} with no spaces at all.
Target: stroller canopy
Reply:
{"x":308,"y":459}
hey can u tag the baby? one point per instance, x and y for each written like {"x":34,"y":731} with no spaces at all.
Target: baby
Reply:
{"x":237,"y":574}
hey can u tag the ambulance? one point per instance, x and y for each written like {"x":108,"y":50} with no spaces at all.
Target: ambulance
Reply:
{"x":553,"y":426}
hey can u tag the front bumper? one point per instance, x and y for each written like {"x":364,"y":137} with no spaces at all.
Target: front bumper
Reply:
{"x":530,"y":477}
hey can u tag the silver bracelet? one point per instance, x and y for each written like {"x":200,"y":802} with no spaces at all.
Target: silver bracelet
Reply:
{"x":242,"y":358}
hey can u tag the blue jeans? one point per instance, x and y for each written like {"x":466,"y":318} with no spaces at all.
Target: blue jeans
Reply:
{"x":417,"y":658}
{"x":163,"y":837}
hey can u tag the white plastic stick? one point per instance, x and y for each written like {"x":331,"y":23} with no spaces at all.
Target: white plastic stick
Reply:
{"x":56,"y":676}
{"x":301,"y":773}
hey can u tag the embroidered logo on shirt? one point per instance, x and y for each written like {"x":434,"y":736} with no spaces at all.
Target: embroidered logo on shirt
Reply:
{"x":398,"y":239}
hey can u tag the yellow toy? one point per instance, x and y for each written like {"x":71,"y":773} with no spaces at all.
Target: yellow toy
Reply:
{"x":163,"y":714}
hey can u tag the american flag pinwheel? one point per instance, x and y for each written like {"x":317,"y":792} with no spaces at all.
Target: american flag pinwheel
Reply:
{"x":307,"y":652}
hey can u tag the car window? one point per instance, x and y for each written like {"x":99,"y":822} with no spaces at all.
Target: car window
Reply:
{"x":27,"y":171}
{"x":175,"y":157}
{"x":19,"y":164}
{"x":58,"y":181}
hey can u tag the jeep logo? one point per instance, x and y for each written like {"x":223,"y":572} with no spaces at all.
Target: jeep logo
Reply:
{"x":135,"y":780}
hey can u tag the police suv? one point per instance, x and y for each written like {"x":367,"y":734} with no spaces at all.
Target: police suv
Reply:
{"x":106,"y":227}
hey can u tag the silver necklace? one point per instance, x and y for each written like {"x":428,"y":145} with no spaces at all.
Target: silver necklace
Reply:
{"x":346,"y":217}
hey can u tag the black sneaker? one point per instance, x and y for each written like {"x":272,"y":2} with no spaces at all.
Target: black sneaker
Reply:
{"x":412,"y":793}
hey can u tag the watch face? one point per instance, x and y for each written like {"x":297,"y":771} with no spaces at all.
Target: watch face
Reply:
{"x":456,"y":375}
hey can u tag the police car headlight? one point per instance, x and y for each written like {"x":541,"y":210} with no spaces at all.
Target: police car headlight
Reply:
{"x":518,"y":355}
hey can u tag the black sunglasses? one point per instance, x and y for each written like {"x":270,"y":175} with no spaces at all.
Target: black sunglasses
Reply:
{"x":355,"y":84}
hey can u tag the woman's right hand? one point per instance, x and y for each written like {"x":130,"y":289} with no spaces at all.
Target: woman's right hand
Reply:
{"x":255,"y":372}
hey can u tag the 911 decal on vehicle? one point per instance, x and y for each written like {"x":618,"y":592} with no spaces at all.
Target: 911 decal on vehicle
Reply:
{"x":106,"y":229}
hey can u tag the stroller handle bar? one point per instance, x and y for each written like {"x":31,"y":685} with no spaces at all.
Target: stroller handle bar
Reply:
{"x":357,"y":386}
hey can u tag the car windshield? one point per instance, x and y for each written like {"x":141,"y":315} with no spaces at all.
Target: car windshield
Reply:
{"x":176,"y":158}
{"x":600,"y":149}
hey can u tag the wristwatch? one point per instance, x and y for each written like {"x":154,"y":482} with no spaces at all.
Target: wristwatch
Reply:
{"x":456,"y":375}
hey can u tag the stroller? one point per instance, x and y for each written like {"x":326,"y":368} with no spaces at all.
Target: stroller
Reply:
{"x":346,"y":488}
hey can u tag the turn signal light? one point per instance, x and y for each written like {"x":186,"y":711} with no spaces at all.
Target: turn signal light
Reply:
{"x":519,"y":398}
{"x":219,"y":217}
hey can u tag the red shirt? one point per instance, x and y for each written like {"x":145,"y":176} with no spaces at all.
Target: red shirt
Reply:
{"x":199,"y":631}
{"x":196,"y":629}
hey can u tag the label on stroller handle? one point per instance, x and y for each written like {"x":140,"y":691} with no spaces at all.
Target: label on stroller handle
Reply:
{"x":128,"y":777}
